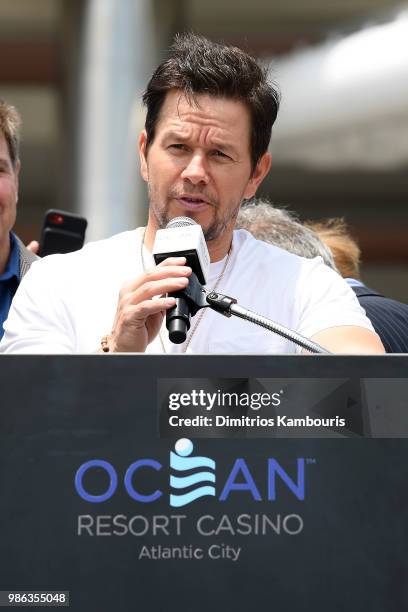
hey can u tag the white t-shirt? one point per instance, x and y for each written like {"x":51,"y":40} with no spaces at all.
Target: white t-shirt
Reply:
{"x":66,"y":303}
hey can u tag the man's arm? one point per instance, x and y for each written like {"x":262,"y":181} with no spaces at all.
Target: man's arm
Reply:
{"x":350,"y":339}
{"x":43,"y":319}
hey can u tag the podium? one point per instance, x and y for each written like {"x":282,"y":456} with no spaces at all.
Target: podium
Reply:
{"x":113,"y":488}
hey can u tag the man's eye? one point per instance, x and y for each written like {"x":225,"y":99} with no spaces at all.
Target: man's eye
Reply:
{"x":178,"y":147}
{"x":218,"y":153}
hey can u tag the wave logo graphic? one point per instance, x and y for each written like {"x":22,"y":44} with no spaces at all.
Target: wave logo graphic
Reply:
{"x":180,"y":461}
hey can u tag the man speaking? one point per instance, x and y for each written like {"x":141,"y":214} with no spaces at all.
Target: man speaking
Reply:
{"x":204,"y":150}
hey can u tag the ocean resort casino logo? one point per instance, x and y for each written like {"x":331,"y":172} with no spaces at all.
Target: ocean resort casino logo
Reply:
{"x":180,"y":461}
{"x":191,"y":478}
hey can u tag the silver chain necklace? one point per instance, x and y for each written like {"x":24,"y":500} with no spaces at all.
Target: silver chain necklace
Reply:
{"x":203,"y":311}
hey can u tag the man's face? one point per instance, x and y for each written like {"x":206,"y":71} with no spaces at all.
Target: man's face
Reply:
{"x":8,"y":191}
{"x":199,"y":163}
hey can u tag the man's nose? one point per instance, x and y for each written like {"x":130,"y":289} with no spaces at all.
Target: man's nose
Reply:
{"x":196,"y":170}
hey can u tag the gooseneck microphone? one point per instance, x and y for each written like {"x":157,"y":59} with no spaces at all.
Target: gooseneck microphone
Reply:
{"x":183,"y":237}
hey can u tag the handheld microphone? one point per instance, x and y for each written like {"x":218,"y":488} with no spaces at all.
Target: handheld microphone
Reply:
{"x":182,"y":237}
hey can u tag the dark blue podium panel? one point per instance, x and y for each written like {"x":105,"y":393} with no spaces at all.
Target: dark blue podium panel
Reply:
{"x":205,"y":482}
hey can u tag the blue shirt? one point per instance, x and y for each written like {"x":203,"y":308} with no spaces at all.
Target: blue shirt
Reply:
{"x":353,"y":282}
{"x":9,"y":281}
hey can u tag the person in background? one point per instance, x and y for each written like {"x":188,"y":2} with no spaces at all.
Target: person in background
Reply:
{"x":15,"y":258}
{"x":389,"y":317}
{"x":330,"y":241}
{"x":282,"y":228}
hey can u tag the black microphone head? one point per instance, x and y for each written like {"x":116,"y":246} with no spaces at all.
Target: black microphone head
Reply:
{"x":180,"y":222}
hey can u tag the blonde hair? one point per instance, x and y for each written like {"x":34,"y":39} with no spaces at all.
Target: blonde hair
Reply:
{"x":10,"y":123}
{"x":346,"y":252}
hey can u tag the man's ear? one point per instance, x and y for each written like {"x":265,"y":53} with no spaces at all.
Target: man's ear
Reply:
{"x":258,"y":175}
{"x":143,"y":155}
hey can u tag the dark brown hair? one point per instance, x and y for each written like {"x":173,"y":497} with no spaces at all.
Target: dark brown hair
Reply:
{"x":198,"y":66}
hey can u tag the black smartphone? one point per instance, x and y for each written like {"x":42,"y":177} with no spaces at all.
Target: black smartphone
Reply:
{"x":62,"y":232}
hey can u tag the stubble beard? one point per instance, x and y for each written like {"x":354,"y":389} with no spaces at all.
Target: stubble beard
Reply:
{"x":217,"y":226}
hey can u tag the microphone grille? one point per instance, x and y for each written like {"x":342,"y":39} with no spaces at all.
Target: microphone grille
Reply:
{"x":180,"y":222}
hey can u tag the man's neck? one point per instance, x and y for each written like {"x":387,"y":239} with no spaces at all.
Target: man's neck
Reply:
{"x":217,"y":249}
{"x":4,"y":252}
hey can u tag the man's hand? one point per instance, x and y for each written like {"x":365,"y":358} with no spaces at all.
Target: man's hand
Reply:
{"x":138,"y":316}
{"x":33,"y":247}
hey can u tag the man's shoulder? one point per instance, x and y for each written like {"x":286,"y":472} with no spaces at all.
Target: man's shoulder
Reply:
{"x":260,"y":252}
{"x":380,"y":302}
{"x":112,"y":247}
{"x":363,"y":291}
{"x":108,"y":253}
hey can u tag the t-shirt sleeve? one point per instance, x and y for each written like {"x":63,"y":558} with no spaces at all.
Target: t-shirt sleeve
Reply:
{"x":325,"y":300}
{"x":38,"y":321}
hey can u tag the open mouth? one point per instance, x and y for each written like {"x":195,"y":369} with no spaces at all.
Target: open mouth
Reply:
{"x":192,"y":203}
{"x":191,"y":200}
